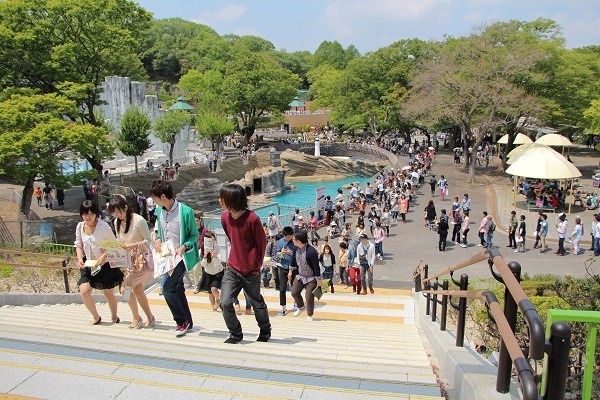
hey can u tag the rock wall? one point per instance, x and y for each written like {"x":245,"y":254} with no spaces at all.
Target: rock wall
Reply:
{"x":120,"y":93}
{"x":201,"y":194}
{"x":304,"y":165}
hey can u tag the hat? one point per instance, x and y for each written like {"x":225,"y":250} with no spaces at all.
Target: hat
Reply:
{"x":578,"y":216}
{"x":363,"y":236}
{"x":333,"y":224}
{"x":271,"y":213}
{"x":300,"y":217}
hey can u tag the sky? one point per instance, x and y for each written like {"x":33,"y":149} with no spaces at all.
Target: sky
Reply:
{"x":373,"y":24}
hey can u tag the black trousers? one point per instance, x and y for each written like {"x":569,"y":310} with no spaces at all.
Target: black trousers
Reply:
{"x":456,"y":233}
{"x":283,"y":283}
{"x":442,"y":242}
{"x":511,"y":240}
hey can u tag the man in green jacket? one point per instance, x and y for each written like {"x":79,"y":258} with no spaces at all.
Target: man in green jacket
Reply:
{"x":175,"y":221}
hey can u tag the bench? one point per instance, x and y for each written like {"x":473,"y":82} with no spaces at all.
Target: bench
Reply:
{"x":532,"y":207}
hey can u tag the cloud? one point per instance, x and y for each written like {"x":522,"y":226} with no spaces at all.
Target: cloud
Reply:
{"x":348,"y":18}
{"x":227,"y":13}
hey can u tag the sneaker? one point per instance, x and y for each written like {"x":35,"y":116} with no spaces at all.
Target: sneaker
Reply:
{"x":282,"y":313}
{"x":463,"y":245}
{"x":515,"y":251}
{"x":309,"y":318}
{"x":479,"y":245}
{"x":299,"y":311}
{"x":182,"y":329}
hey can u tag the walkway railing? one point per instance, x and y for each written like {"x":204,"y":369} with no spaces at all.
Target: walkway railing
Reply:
{"x":557,"y":347}
{"x":10,"y":258}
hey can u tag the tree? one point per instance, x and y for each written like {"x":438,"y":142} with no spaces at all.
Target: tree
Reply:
{"x":254,"y":85}
{"x":35,"y":137}
{"x":68,"y":47}
{"x":167,"y":128}
{"x":368,"y":93}
{"x":213,"y":125}
{"x":133,"y":138}
{"x":592,"y":116}
{"x":332,"y":53}
{"x":477,"y":82}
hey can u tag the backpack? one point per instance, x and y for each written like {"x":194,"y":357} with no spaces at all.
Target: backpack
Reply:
{"x":329,"y":205}
{"x":272,"y":224}
{"x":492,"y":227}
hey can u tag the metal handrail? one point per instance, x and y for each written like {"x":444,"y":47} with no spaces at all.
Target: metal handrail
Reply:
{"x":524,"y":371}
{"x":532,"y":319}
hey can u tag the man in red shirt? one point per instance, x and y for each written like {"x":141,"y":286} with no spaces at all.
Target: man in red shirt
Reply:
{"x":248,"y":245}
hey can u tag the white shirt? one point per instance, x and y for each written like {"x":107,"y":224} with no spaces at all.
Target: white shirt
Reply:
{"x":89,"y":243}
{"x":150,"y":204}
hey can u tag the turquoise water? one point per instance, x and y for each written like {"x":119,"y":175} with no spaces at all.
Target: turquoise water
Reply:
{"x":305,"y":193}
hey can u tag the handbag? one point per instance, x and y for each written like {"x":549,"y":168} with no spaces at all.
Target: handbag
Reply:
{"x":139,"y":261}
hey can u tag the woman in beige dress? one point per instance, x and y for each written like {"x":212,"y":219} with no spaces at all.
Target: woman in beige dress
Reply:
{"x":133,"y":233}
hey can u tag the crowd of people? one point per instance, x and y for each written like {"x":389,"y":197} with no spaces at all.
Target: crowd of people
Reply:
{"x":293,"y":253}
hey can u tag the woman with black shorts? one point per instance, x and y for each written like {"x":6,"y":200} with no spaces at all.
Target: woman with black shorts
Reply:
{"x":88,"y":235}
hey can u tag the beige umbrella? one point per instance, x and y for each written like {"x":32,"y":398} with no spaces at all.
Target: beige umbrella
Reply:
{"x":543,"y":163}
{"x":523,"y":149}
{"x":554,"y":139}
{"x":519,"y":139}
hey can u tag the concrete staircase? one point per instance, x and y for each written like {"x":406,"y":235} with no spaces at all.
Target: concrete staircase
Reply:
{"x":356,"y":347}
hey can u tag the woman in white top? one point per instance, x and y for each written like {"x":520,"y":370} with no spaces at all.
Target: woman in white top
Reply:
{"x":133,"y":233}
{"x":88,"y":235}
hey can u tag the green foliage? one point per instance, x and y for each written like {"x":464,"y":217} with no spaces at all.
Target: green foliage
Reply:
{"x":69,"y":46}
{"x":592,"y":117}
{"x":255,"y":84}
{"x":167,"y":128}
{"x":6,"y":271}
{"x":333,"y":54}
{"x":133,"y":138}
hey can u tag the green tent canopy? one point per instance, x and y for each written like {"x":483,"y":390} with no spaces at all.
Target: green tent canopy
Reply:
{"x":180,"y":104}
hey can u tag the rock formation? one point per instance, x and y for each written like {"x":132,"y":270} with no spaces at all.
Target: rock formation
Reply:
{"x":304,"y":165}
{"x":201,"y":194}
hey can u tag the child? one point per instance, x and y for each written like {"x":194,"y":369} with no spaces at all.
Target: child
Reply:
{"x":521,"y":232}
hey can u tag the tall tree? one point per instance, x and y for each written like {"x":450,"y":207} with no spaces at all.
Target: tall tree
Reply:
{"x":35,"y":137}
{"x":68,"y":47}
{"x":371,"y":88}
{"x":167,"y":128}
{"x":133,"y":137}
{"x":477,"y":82}
{"x":255,"y":84}
{"x":332,"y":53}
{"x":213,"y":125}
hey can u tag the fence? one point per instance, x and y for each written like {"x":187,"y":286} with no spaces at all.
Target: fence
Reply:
{"x":12,"y":196}
{"x":26,"y":232}
{"x":555,"y":349}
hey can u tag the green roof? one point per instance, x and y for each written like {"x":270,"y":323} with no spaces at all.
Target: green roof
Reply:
{"x":296,"y":102}
{"x":180,"y":104}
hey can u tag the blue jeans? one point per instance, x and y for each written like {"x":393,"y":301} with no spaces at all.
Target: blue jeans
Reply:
{"x":597,"y":246}
{"x":488,"y":239}
{"x":379,"y":248}
{"x":174,"y":293}
{"x":366,"y":276}
{"x":231,"y":286}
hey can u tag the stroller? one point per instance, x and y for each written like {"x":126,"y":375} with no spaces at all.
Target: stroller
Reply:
{"x":333,"y":230}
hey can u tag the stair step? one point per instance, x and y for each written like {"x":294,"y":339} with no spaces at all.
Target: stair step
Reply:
{"x":334,"y":356}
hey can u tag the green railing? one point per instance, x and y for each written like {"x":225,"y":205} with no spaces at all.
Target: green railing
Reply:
{"x":68,"y":249}
{"x":592,"y":319}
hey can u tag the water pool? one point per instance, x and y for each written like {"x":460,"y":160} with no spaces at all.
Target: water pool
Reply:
{"x":304,"y":194}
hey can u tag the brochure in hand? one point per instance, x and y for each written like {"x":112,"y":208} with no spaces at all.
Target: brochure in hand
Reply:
{"x":165,"y":260}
